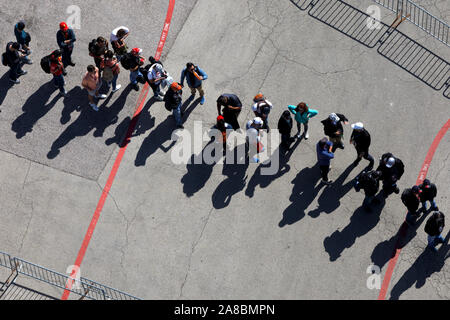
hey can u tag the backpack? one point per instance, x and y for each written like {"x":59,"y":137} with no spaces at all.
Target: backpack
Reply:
{"x":434,"y":224}
{"x":45,"y":64}
{"x":91,"y":46}
{"x":5,"y":61}
{"x":125,"y":61}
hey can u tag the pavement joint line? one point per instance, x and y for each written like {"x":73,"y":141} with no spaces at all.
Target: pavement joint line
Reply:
{"x":119,"y":157}
{"x":422,"y":175}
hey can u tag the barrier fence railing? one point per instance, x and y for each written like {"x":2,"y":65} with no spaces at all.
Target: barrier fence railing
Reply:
{"x":82,"y":287}
{"x":420,"y":17}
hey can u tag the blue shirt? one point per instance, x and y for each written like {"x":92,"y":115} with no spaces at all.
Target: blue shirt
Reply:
{"x":323,"y":155}
{"x":192,"y":80}
{"x":21,"y":36}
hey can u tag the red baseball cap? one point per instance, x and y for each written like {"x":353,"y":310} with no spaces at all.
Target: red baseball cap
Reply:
{"x":219,"y":118}
{"x":175,"y":86}
{"x":136,"y":50}
{"x":63,"y":26}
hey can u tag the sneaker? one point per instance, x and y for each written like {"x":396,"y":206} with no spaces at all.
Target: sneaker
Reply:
{"x":180,"y":126}
{"x":159,"y":98}
{"x":117,"y":88}
{"x":101,"y":96}
{"x":64,"y":93}
{"x":396,"y":190}
{"x":299,"y":135}
{"x":327,"y":182}
{"x":202,"y":100}
{"x":307,"y":136}
{"x":29,"y":62}
{"x":22,"y":73}
{"x":71,"y":64}
{"x":432,"y":248}
{"x":161,"y":93}
{"x":93,"y":106}
{"x":17,"y":81}
{"x":136,"y":87}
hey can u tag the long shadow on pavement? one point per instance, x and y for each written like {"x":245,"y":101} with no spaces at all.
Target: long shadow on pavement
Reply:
{"x":304,"y":192}
{"x":329,"y":200}
{"x":361,"y":223}
{"x":265,"y":180}
{"x":87,"y":120}
{"x":386,"y":250}
{"x":5,"y":85}
{"x":235,"y":181}
{"x":35,"y":107}
{"x":426,"y":264}
{"x":198,"y":172}
{"x":187,"y":107}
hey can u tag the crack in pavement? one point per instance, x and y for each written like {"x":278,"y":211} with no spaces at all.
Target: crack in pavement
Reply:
{"x":194,"y":245}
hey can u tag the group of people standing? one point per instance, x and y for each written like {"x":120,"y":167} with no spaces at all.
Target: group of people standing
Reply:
{"x":107,"y":66}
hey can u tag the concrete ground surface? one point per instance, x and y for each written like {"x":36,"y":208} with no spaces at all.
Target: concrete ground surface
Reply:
{"x":190,"y":231}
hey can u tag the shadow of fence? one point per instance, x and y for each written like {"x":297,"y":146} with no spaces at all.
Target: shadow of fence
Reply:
{"x":392,"y":44}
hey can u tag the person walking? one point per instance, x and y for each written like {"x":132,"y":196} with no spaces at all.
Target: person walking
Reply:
{"x":92,"y":83}
{"x":97,"y":50}
{"x":302,"y":114}
{"x":156,"y":75}
{"x":57,"y":70}
{"x":23,"y":38}
{"x":13,"y":59}
{"x":324,"y":155}
{"x":232,"y":107}
{"x":65,"y":37}
{"x":261,"y":108}
{"x":173,"y":99}
{"x":332,"y":127}
{"x":135,"y":62}
{"x":428,"y":193}
{"x":285,"y":127}
{"x":360,"y":138}
{"x":434,"y":227}
{"x":369,"y":181}
{"x":117,"y":40}
{"x":194,"y":77}
{"x":391,"y":169}
{"x":253,"y":138}
{"x":222,"y":126}
{"x":410,"y":198}
{"x":111,"y":70}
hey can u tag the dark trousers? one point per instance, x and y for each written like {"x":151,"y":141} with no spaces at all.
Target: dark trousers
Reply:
{"x":365,"y":154}
{"x":324,"y":172}
{"x":156,"y":88}
{"x":231,"y":118}
{"x":15,"y":70}
{"x":286,"y":139}
{"x":66,"y":57}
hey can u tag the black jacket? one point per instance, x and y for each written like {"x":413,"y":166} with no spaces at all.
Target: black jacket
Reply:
{"x":428,"y":194}
{"x":369,"y":182}
{"x":435,"y":224}
{"x":410,"y":200}
{"x":329,"y":128}
{"x":391,"y":174}
{"x":12,"y":56}
{"x":172,"y":98}
{"x":60,"y":38}
{"x":285,"y":126}
{"x":361,"y":139}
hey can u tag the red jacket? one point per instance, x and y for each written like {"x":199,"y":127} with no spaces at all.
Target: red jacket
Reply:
{"x":56,"y":68}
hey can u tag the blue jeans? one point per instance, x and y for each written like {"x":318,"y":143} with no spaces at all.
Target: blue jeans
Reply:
{"x":177,"y":115}
{"x":433,"y":241}
{"x":432,"y":202}
{"x":134,"y":75}
{"x":59,"y":82}
{"x":411,"y":216}
{"x":114,"y":82}
{"x":15,"y":70}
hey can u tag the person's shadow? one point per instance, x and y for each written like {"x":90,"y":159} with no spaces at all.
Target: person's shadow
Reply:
{"x":361,"y":223}
{"x":87,"y":120}
{"x":329,"y":200}
{"x":74,"y":102}
{"x":187,"y":107}
{"x":235,"y":181}
{"x":264,"y":181}
{"x":5,"y":85}
{"x":426,"y":264}
{"x":386,"y":250}
{"x":140,"y":124}
{"x":35,"y":107}
{"x":198,"y":172}
{"x":304,"y":192}
{"x":155,"y":141}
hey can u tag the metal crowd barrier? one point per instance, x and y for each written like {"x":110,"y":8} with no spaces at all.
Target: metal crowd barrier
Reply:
{"x":420,"y":17}
{"x":82,"y":287}
{"x":392,"y":44}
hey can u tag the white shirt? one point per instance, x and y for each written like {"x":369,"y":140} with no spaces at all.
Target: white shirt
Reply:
{"x":114,"y":33}
{"x":255,"y":106}
{"x":156,"y":71}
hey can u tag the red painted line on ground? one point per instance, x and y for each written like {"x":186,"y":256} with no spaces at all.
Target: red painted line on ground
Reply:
{"x":402,"y":232}
{"x":115,"y":168}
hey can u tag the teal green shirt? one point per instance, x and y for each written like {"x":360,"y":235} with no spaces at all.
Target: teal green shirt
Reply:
{"x":302,"y":117}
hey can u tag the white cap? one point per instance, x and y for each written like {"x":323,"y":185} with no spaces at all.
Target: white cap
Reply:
{"x":257,"y":121}
{"x":334,"y":117}
{"x":390,"y":162}
{"x":357,"y":126}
